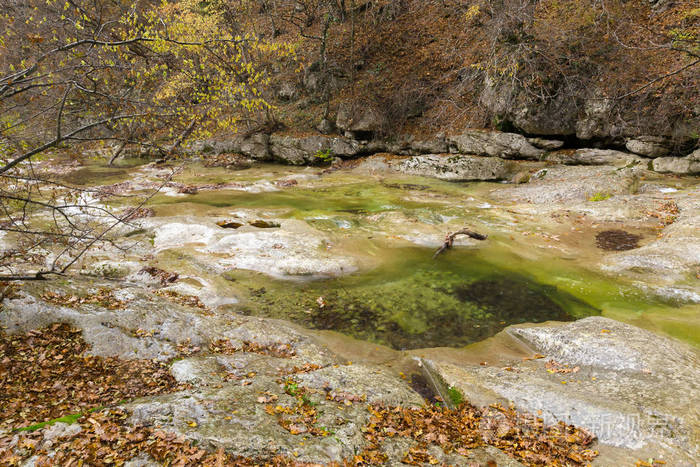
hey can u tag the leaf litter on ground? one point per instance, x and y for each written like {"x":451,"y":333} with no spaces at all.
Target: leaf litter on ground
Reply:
{"x":46,"y":374}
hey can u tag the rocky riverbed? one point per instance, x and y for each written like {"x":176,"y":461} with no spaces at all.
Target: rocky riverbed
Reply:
{"x":332,"y":266}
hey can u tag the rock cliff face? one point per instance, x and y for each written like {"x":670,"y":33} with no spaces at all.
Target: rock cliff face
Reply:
{"x":506,"y":102}
{"x":593,"y":118}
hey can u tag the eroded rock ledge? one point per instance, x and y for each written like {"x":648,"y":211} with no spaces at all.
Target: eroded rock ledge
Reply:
{"x":315,"y":148}
{"x":627,"y":385}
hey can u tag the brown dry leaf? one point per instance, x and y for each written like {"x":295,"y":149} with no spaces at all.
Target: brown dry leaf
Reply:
{"x":554,"y":367}
{"x":103,"y":297}
{"x":225,"y":346}
{"x":134,"y":213}
{"x":182,"y":299}
{"x":524,"y":437}
{"x":305,"y":368}
{"x":267,"y":398}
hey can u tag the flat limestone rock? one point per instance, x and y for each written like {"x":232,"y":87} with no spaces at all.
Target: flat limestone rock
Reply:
{"x":629,"y":387}
{"x":608,"y":344}
{"x":688,"y":165}
{"x":451,"y":167}
{"x":360,"y":380}
{"x":455,"y":168}
{"x":233,"y":418}
{"x":167,"y":324}
{"x":294,"y":249}
{"x":564,"y":184}
{"x":595,"y":157}
{"x":672,"y":257}
{"x":547,"y":144}
{"x":648,"y":146}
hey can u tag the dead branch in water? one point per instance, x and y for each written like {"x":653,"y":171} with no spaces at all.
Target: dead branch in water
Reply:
{"x":450,"y":238}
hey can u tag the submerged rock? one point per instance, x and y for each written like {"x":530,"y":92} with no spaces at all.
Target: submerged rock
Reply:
{"x":229,"y":224}
{"x":263,"y":224}
{"x":617,"y":240}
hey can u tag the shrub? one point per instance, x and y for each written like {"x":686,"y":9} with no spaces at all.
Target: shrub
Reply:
{"x":325,"y":156}
{"x":599,"y":196}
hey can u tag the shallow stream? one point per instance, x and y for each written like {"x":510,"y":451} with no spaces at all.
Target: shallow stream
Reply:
{"x":390,"y":226}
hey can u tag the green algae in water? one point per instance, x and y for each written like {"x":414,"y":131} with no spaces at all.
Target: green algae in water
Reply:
{"x":94,"y":175}
{"x":415,"y":302}
{"x":353,"y":199}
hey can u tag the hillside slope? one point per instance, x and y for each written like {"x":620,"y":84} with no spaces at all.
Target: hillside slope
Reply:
{"x":586,"y":71}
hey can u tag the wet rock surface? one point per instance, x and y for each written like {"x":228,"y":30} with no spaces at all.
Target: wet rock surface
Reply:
{"x":286,"y":249}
